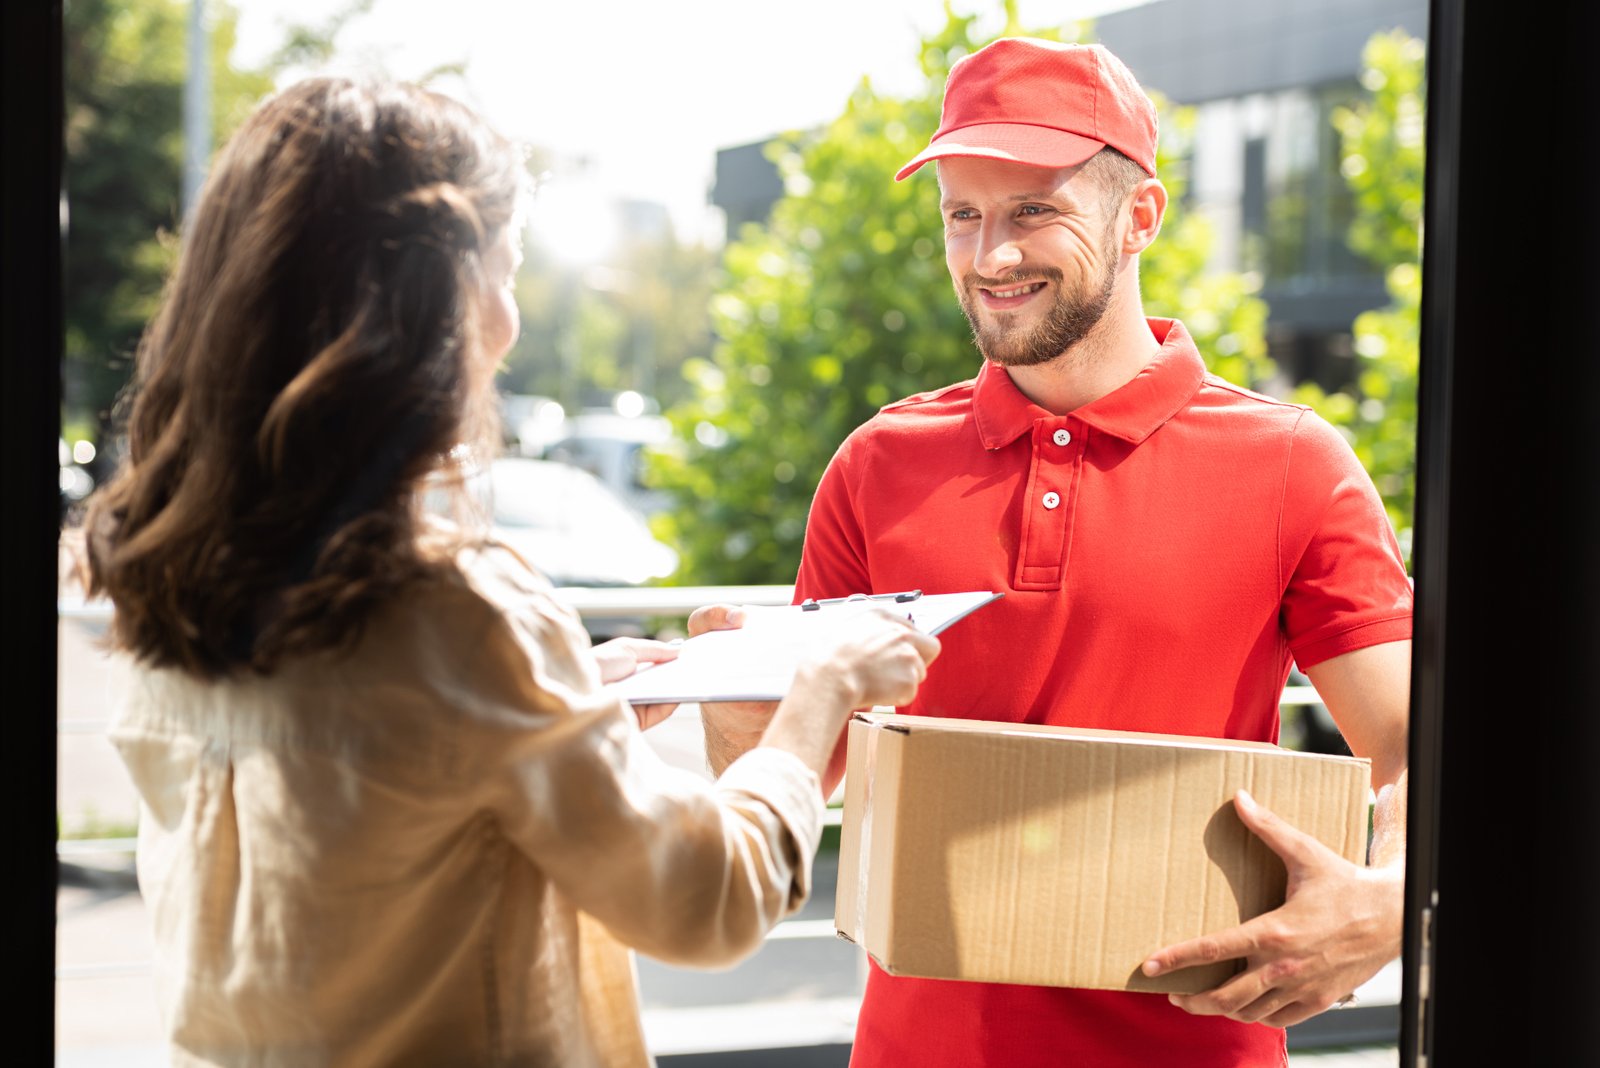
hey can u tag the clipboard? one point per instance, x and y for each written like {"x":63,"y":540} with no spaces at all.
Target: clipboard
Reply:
{"x":757,"y":662}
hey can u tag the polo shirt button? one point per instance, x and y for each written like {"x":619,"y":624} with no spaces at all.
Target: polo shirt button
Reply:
{"x":1062,"y":437}
{"x":1052,"y":499}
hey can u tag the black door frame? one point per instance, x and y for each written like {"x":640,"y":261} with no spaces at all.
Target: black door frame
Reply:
{"x":1504,"y":823}
{"x":30,"y":366}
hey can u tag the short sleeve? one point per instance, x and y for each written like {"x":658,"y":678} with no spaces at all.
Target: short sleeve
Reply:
{"x":1345,"y":586}
{"x":833,"y":562}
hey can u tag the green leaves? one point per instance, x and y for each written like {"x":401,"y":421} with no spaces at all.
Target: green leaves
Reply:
{"x":632,"y":324}
{"x":1382,"y":142}
{"x":822,"y":317}
{"x":125,"y":67}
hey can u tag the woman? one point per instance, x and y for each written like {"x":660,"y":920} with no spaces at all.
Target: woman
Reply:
{"x":389,"y":815}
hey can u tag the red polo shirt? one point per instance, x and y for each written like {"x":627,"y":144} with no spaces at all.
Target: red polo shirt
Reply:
{"x":1165,"y":552}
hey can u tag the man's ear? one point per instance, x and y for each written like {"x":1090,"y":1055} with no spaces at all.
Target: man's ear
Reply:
{"x":1146,"y":210}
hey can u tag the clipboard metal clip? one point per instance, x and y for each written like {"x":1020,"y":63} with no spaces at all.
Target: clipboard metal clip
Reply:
{"x":811,"y":604}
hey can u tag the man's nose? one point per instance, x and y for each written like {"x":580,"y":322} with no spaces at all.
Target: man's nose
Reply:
{"x":997,"y":253}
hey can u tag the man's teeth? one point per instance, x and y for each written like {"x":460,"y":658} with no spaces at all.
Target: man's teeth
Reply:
{"x":1002,"y":294}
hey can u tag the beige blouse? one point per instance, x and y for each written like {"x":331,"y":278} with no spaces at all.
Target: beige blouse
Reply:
{"x":435,"y":850}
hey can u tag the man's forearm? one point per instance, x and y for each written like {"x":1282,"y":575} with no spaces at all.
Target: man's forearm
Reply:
{"x":1389,"y":824}
{"x":724,"y":742}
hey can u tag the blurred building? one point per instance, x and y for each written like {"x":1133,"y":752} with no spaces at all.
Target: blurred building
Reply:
{"x":1265,"y":77}
{"x":747,"y":185}
{"x":644,"y":221}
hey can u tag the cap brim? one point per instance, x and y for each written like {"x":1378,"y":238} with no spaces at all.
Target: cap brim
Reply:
{"x":1034,"y":146}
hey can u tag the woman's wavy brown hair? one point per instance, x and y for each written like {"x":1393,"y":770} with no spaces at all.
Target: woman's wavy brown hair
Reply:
{"x":311,"y":365}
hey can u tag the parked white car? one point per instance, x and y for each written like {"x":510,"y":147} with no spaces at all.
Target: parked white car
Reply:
{"x":610,"y":446}
{"x":571,"y":527}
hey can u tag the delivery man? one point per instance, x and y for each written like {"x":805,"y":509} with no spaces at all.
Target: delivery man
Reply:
{"x":1168,"y":543}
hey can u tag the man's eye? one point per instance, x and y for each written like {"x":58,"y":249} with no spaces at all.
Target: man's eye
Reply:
{"x":963,"y":213}
{"x":1032,"y":209}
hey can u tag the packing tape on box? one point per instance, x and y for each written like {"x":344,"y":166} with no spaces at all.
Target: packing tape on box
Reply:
{"x":864,"y":845}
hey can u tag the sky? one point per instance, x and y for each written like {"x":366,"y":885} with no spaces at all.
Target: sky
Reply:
{"x":639,"y":94}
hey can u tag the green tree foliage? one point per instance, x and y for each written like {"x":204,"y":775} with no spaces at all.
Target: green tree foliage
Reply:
{"x":1382,"y":139}
{"x":842,"y":303}
{"x":125,"y":65}
{"x":629,"y":324}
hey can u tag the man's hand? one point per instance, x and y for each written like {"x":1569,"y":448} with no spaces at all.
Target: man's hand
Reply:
{"x":732,"y":727}
{"x":1338,"y":925}
{"x":621,"y":657}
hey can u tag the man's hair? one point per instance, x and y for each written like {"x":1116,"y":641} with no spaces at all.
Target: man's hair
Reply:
{"x":310,"y":366}
{"x":1116,"y":175}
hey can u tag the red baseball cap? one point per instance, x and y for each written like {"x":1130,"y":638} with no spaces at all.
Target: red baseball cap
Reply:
{"x":1042,"y":103}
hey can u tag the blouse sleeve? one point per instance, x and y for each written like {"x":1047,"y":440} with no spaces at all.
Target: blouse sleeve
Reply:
{"x":685,"y":870}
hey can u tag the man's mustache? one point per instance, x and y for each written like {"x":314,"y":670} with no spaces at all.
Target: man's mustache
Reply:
{"x":973,"y":280}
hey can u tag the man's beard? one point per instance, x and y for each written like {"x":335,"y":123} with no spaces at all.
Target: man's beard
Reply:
{"x":1068,"y":320}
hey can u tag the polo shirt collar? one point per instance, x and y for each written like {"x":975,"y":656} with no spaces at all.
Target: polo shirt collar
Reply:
{"x":1131,"y":412}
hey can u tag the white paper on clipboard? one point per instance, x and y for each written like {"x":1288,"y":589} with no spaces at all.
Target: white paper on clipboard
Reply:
{"x":757,"y":662}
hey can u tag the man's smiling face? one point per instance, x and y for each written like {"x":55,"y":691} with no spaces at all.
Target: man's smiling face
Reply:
{"x":1033,"y":253}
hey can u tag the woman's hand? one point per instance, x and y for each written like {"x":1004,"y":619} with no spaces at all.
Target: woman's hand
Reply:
{"x":621,"y":657}
{"x":876,"y":658}
{"x":879,"y":657}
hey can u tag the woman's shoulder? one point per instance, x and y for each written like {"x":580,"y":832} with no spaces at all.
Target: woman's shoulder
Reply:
{"x":477,"y":568}
{"x":491,"y":614}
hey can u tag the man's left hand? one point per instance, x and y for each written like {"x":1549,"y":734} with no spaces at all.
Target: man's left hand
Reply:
{"x":1338,"y":925}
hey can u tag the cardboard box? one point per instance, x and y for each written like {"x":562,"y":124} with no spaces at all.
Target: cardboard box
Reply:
{"x":1015,"y":853}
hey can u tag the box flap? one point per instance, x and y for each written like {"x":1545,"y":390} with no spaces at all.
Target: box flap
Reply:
{"x":909,"y":724}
